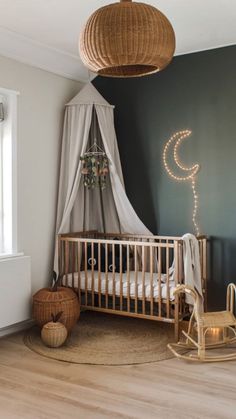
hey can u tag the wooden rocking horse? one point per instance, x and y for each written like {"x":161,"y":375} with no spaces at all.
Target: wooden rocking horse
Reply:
{"x":201,"y":323}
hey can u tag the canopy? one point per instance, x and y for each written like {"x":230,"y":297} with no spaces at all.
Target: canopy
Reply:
{"x":89,"y":115}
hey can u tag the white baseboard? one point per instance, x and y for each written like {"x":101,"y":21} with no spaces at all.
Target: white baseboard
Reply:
{"x":18,"y":327}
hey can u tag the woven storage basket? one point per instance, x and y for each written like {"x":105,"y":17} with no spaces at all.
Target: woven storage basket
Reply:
{"x":127,"y":39}
{"x":47,"y":302}
{"x":54,"y":334}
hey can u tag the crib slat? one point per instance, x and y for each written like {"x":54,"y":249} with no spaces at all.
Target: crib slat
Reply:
{"x":66,"y":261}
{"x":86,"y":271}
{"x":113,"y":278}
{"x":106,"y":274}
{"x":180,"y":257}
{"x":176,"y":260}
{"x":159,"y":280}
{"x":143,"y":279}
{"x":151,"y":280}
{"x":128,"y":278}
{"x":63,"y":259}
{"x":92,"y":255}
{"x":201,"y":256}
{"x":204,"y":275}
{"x":121,"y":276}
{"x":201,"y":252}
{"x":168,"y":279}
{"x":204,"y":245}
{"x":73,"y":263}
{"x":182,"y":304}
{"x":59,"y":244}
{"x":136,"y":278}
{"x":176,"y":314}
{"x":79,"y":263}
{"x":99,"y":276}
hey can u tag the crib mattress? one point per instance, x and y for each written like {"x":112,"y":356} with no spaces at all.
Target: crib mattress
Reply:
{"x":106,"y":284}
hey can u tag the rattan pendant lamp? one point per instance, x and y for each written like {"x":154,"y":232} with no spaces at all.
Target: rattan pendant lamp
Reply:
{"x":127,"y":39}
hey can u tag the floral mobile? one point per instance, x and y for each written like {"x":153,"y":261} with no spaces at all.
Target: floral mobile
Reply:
{"x":94,"y":167}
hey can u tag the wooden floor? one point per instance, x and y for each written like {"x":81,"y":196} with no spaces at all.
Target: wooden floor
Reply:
{"x":35,"y":387}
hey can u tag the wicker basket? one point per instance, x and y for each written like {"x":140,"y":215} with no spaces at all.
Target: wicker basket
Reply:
{"x":47,"y":302}
{"x":54,"y":334}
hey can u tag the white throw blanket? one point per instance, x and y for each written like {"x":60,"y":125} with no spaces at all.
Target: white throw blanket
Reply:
{"x":192,"y":269}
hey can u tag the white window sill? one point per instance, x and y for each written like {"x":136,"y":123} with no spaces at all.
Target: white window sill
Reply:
{"x":4,"y":256}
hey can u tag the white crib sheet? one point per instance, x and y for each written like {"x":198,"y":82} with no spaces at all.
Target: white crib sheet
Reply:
{"x":147,"y":287}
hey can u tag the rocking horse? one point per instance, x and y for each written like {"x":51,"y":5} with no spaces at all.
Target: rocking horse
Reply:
{"x":201,"y":323}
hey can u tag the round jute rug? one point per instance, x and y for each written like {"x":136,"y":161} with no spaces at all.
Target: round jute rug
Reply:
{"x":105,"y":339}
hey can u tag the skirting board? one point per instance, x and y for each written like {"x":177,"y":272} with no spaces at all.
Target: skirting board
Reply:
{"x":18,"y":327}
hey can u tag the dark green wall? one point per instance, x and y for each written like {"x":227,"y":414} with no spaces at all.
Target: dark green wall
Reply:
{"x":197,"y":91}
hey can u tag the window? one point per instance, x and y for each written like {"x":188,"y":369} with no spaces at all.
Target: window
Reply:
{"x":8,"y":215}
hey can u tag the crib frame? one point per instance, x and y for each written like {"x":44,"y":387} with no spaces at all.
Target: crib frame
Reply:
{"x":144,"y":250}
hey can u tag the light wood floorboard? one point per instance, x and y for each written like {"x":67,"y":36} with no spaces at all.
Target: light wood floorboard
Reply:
{"x":34,"y":387}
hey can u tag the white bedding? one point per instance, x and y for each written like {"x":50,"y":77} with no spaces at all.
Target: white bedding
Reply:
{"x":147,"y":287}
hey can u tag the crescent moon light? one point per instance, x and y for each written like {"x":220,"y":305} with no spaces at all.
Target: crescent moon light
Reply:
{"x":191,"y":172}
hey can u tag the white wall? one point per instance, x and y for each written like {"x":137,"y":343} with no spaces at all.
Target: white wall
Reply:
{"x":40,"y":116}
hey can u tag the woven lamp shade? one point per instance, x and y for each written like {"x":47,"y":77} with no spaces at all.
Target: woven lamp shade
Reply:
{"x":127,"y":39}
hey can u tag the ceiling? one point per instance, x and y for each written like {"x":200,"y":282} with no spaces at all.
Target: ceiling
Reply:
{"x":44,"y":33}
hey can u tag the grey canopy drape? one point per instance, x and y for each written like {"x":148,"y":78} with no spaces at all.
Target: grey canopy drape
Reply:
{"x":89,"y":115}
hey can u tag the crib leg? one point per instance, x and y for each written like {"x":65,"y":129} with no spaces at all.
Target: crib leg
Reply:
{"x":176,"y":331}
{"x":176,"y":321}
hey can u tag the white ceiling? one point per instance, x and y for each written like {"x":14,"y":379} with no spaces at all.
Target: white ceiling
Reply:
{"x":44,"y":33}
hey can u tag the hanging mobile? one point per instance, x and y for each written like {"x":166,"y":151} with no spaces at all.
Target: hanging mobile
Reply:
{"x":94,"y":167}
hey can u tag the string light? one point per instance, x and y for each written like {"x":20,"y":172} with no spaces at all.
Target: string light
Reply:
{"x":177,"y":138}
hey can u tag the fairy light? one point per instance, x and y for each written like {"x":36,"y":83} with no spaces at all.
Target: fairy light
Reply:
{"x":177,"y":138}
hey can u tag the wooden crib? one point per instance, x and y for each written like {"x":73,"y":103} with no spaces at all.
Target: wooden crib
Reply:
{"x":129,"y":275}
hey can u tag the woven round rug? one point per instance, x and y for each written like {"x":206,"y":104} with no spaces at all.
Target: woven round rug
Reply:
{"x":105,"y":339}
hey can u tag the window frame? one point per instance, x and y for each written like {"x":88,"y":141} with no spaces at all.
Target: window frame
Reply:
{"x":9,"y":245}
